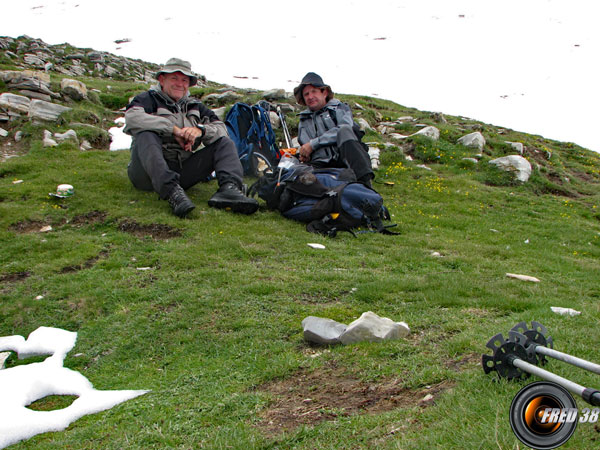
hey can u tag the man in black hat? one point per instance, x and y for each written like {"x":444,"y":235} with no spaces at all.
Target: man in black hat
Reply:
{"x":327,"y":133}
{"x":177,"y":142}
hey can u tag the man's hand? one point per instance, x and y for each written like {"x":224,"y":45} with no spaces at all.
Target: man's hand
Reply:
{"x":305,"y":152}
{"x":186,"y":137}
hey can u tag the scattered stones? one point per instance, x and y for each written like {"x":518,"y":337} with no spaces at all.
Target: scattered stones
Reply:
{"x":523,"y":277}
{"x":565,"y":311}
{"x":515,"y":164}
{"x":473,"y":140}
{"x":39,"y":109}
{"x":370,"y":327}
{"x":73,"y":88}
{"x":517,"y":146}
{"x":322,"y":331}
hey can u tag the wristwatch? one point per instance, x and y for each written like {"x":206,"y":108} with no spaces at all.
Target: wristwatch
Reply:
{"x":202,"y":128}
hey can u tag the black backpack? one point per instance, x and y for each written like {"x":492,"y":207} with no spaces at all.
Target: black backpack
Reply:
{"x":327,"y":200}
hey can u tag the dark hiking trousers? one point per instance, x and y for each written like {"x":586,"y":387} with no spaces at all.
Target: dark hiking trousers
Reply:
{"x":349,"y":152}
{"x":149,"y":171}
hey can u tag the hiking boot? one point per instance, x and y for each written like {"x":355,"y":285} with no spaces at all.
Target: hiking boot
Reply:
{"x":180,"y":203}
{"x":229,"y":196}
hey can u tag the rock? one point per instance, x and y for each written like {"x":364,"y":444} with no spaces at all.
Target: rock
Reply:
{"x":41,"y":110}
{"x":225,"y":97}
{"x":322,"y":331}
{"x":517,"y":146}
{"x":76,"y":56}
{"x":565,"y":311}
{"x":359,"y":106}
{"x":438,"y":117}
{"x":70,"y":134}
{"x":473,"y":140}
{"x":95,"y":57}
{"x":220,"y":112}
{"x":14,"y":102}
{"x":275,"y":94}
{"x":3,"y":132}
{"x":274,"y":119}
{"x":371,"y":327}
{"x":522,"y":277}
{"x":473,"y":160}
{"x":18,"y":136}
{"x":295,"y":142}
{"x":516,"y":164}
{"x":85,"y":145}
{"x":374,"y":156}
{"x":364,"y":125}
{"x":430,"y":132}
{"x":73,"y":88}
{"x":33,"y":60}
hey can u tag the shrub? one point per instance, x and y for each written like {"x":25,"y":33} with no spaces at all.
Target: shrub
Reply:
{"x":114,"y":102}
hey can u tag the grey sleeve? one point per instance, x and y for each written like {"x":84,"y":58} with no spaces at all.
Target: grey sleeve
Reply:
{"x":343,"y":116}
{"x":137,"y":120}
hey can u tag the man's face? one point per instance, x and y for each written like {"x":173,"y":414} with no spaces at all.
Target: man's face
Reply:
{"x":175,"y":84}
{"x":315,"y":98}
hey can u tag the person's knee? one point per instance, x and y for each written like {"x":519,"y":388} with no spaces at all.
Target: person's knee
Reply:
{"x":345,"y":134}
{"x":145,"y":138}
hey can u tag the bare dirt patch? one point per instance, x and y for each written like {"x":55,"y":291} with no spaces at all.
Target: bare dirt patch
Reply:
{"x":90,"y":218}
{"x":12,"y":277}
{"x":307,"y":398}
{"x":28,"y":226}
{"x":153,"y":230}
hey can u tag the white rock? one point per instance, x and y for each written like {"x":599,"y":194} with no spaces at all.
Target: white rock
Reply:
{"x":473,"y":160}
{"x":49,"y":142}
{"x":318,"y":246}
{"x":516,"y":164}
{"x":522,"y":277}
{"x":398,"y":136}
{"x":220,"y":112}
{"x":322,"y":331}
{"x":3,"y":132}
{"x":274,"y":119}
{"x":473,"y":140}
{"x":430,"y":131}
{"x":39,"y":109}
{"x":13,"y":102}
{"x":364,"y":125}
{"x":517,"y":146}
{"x":18,"y":136}
{"x":565,"y":311}
{"x":374,"y":155}
{"x":69,"y":134}
{"x":85,"y":145}
{"x":423,"y":166}
{"x":370,"y":327}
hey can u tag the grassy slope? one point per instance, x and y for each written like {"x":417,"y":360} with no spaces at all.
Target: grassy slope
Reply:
{"x":218,"y":314}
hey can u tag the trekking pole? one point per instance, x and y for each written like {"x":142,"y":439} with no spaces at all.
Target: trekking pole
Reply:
{"x":537,"y":337}
{"x":288,"y":140}
{"x":515,"y":358}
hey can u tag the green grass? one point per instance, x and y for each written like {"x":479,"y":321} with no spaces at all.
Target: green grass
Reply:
{"x":218,"y":314}
{"x":214,"y":325}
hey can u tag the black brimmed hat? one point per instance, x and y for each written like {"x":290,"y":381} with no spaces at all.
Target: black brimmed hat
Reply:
{"x":311,"y":79}
{"x":179,"y":65}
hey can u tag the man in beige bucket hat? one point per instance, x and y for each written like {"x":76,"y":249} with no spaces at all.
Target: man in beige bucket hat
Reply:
{"x":178,"y":142}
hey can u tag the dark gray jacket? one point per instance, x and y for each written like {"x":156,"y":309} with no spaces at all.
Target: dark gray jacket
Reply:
{"x":321,"y":128}
{"x":155,"y":111}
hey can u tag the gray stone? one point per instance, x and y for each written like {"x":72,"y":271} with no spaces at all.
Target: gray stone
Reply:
{"x":322,"y":331}
{"x":41,"y":110}
{"x":18,"y":136}
{"x":517,"y":146}
{"x":96,"y":57}
{"x":274,"y":119}
{"x":3,"y":132}
{"x":14,"y":102}
{"x":516,"y":164}
{"x":73,"y":88}
{"x":473,"y":140}
{"x":76,"y":56}
{"x":364,"y":125}
{"x":275,"y":94}
{"x":38,"y":95}
{"x":220,"y":112}
{"x":430,"y":131}
{"x":69,"y":134}
{"x":33,"y":60}
{"x":85,"y":145}
{"x":370,"y":327}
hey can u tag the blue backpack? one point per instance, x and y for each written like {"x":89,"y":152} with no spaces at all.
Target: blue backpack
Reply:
{"x":250,"y":129}
{"x":327,"y":200}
